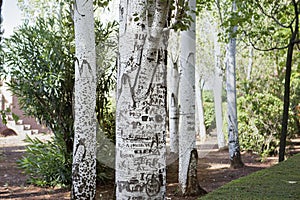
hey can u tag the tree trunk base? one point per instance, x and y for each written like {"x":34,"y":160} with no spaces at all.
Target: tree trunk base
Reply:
{"x":193,"y":187}
{"x":236,"y":162}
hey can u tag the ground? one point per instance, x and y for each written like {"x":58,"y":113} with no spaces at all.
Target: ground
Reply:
{"x":213,"y":172}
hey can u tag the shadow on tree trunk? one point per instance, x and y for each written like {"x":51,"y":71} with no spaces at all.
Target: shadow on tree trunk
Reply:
{"x":193,"y":187}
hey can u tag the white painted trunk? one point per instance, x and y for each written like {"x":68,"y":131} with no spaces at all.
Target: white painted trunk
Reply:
{"x":187,"y":133}
{"x":84,"y":153}
{"x":173,"y":87}
{"x":233,"y":140}
{"x":141,"y":102}
{"x":218,"y":87}
{"x":173,"y":109}
{"x":200,"y":125}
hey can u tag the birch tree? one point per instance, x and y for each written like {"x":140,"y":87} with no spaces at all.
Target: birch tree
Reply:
{"x":217,"y":90}
{"x":84,"y":152}
{"x":187,"y":134}
{"x":141,"y":100}
{"x":233,"y":140}
{"x":173,"y":87}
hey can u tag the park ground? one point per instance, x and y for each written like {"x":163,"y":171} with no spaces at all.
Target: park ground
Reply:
{"x":213,"y":172}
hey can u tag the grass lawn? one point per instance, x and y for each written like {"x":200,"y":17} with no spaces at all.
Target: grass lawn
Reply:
{"x":279,"y":182}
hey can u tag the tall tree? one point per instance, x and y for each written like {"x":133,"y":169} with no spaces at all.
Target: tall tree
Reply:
{"x":233,"y":140}
{"x":272,"y":25}
{"x":141,"y":100}
{"x":217,"y":90}
{"x":187,"y":133}
{"x":84,"y":149}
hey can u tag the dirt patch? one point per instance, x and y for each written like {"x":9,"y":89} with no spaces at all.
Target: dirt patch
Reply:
{"x":213,"y":172}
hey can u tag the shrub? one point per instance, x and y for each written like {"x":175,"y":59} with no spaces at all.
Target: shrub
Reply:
{"x":259,"y":117}
{"x":47,"y":163}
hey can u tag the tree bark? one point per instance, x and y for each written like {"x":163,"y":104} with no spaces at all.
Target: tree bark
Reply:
{"x":141,"y":101}
{"x":187,"y":132}
{"x":233,"y":140}
{"x":286,"y":103}
{"x":200,"y":125}
{"x":84,"y":150}
{"x":173,"y":87}
{"x":217,"y":90}
{"x":193,"y":187}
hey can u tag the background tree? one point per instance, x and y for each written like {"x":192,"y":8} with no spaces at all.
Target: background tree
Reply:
{"x":270,"y":26}
{"x":233,"y":140}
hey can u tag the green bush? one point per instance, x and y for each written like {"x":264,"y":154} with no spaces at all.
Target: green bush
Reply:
{"x":47,"y":163}
{"x":40,"y":59}
{"x":209,"y":110}
{"x":259,"y":117}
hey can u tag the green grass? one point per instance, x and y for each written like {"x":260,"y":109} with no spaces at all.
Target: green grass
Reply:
{"x":279,"y":182}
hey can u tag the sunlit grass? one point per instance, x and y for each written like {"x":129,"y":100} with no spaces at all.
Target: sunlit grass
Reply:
{"x":279,"y":182}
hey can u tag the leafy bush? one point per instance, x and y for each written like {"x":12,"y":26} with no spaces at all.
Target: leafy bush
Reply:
{"x":47,"y":163}
{"x":259,"y":117}
{"x":40,"y":59}
{"x":209,"y":110}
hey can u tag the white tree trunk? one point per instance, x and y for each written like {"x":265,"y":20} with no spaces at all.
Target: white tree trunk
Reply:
{"x":141,"y":101}
{"x":187,"y":133}
{"x":233,"y":140}
{"x":173,"y":87}
{"x":84,"y":152}
{"x":249,"y":69}
{"x":200,"y":125}
{"x":218,"y":87}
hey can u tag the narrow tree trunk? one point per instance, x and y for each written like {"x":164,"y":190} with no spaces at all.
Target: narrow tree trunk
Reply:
{"x":286,"y":103}
{"x":141,"y":101}
{"x":249,"y":68}
{"x":200,"y":125}
{"x":173,"y":110}
{"x":187,"y":132}
{"x":218,"y":88}
{"x":233,"y":140}
{"x":193,"y":187}
{"x":173,"y":86}
{"x":84,"y":150}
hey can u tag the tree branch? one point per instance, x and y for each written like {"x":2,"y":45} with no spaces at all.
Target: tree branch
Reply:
{"x":270,"y":16}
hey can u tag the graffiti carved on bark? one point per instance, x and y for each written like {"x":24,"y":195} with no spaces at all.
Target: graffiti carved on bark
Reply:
{"x":141,"y":100}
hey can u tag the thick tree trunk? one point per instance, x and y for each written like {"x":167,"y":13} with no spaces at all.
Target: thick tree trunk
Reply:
{"x":233,"y":139}
{"x":141,"y":101}
{"x":84,"y":151}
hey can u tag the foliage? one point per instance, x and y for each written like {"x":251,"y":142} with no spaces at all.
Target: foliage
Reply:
{"x":275,"y":183}
{"x":40,"y":59}
{"x":46,"y":163}
{"x":209,"y":110}
{"x":259,"y":123}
